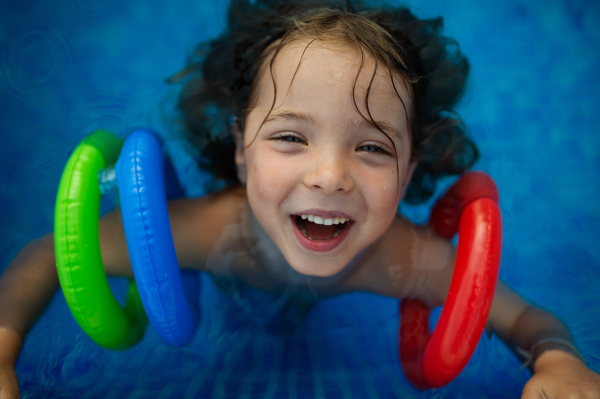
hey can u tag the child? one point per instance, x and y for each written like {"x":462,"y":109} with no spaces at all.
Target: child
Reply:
{"x":339,"y":113}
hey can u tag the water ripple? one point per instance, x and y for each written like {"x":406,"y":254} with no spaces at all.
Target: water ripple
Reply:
{"x":103,"y":111}
{"x":36,"y":58}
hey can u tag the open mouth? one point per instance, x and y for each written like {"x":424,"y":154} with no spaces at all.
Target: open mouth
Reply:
{"x":320,"y":229}
{"x":320,"y":234}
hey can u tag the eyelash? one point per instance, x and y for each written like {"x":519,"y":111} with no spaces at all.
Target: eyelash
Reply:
{"x":291,"y":138}
{"x":380,"y":149}
{"x":285,"y":136}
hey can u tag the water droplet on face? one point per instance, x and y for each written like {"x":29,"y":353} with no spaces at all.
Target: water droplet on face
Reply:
{"x":395,"y":273}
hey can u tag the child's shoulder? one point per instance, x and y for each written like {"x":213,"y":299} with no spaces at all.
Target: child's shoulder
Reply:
{"x":199,"y":224}
{"x":212,"y":209}
{"x":407,"y":261}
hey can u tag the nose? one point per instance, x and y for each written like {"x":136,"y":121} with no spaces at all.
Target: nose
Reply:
{"x":329,"y":173}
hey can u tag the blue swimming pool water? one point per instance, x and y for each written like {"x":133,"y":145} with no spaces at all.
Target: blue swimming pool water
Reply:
{"x":70,"y":66}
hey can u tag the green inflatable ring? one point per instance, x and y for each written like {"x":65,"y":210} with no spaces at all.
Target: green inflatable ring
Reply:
{"x":77,"y":245}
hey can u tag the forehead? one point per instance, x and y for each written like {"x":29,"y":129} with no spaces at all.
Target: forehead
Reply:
{"x":305,"y":70}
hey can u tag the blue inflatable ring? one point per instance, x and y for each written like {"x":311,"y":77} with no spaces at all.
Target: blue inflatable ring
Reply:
{"x":141,"y":183}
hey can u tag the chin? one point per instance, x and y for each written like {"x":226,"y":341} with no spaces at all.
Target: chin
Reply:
{"x":317,"y":269}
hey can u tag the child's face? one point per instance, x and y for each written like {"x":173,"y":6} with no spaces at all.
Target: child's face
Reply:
{"x":315,"y":155}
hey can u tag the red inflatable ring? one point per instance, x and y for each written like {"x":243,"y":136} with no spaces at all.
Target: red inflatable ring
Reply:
{"x":470,"y":207}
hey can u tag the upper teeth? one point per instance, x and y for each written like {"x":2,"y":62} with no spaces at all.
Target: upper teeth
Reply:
{"x":326,"y":222}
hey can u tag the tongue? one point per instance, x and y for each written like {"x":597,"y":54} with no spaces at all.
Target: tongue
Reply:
{"x":319,"y":231}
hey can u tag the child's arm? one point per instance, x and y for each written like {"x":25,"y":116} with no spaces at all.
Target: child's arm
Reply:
{"x":26,"y":287}
{"x":31,"y":279}
{"x":414,"y":262}
{"x":29,"y":283}
{"x":559,"y":372}
{"x":558,"y":369}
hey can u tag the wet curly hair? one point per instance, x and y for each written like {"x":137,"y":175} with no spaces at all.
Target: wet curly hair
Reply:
{"x":219,"y":78}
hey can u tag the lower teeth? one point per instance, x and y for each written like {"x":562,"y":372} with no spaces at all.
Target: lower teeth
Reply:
{"x":337,"y":232}
{"x":303,"y":231}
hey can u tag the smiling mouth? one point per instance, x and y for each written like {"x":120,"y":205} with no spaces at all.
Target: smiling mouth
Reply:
{"x":320,"y":229}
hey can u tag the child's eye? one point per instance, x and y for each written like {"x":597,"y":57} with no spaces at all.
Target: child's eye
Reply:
{"x":288,"y":137}
{"x":374,"y":148}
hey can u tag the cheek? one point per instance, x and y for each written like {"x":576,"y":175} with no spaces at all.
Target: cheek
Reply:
{"x":381,"y":188}
{"x":269,"y":176}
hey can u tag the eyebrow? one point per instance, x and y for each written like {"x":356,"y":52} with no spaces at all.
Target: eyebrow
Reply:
{"x":386,"y":127}
{"x":358,"y":124}
{"x":291,"y":117}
